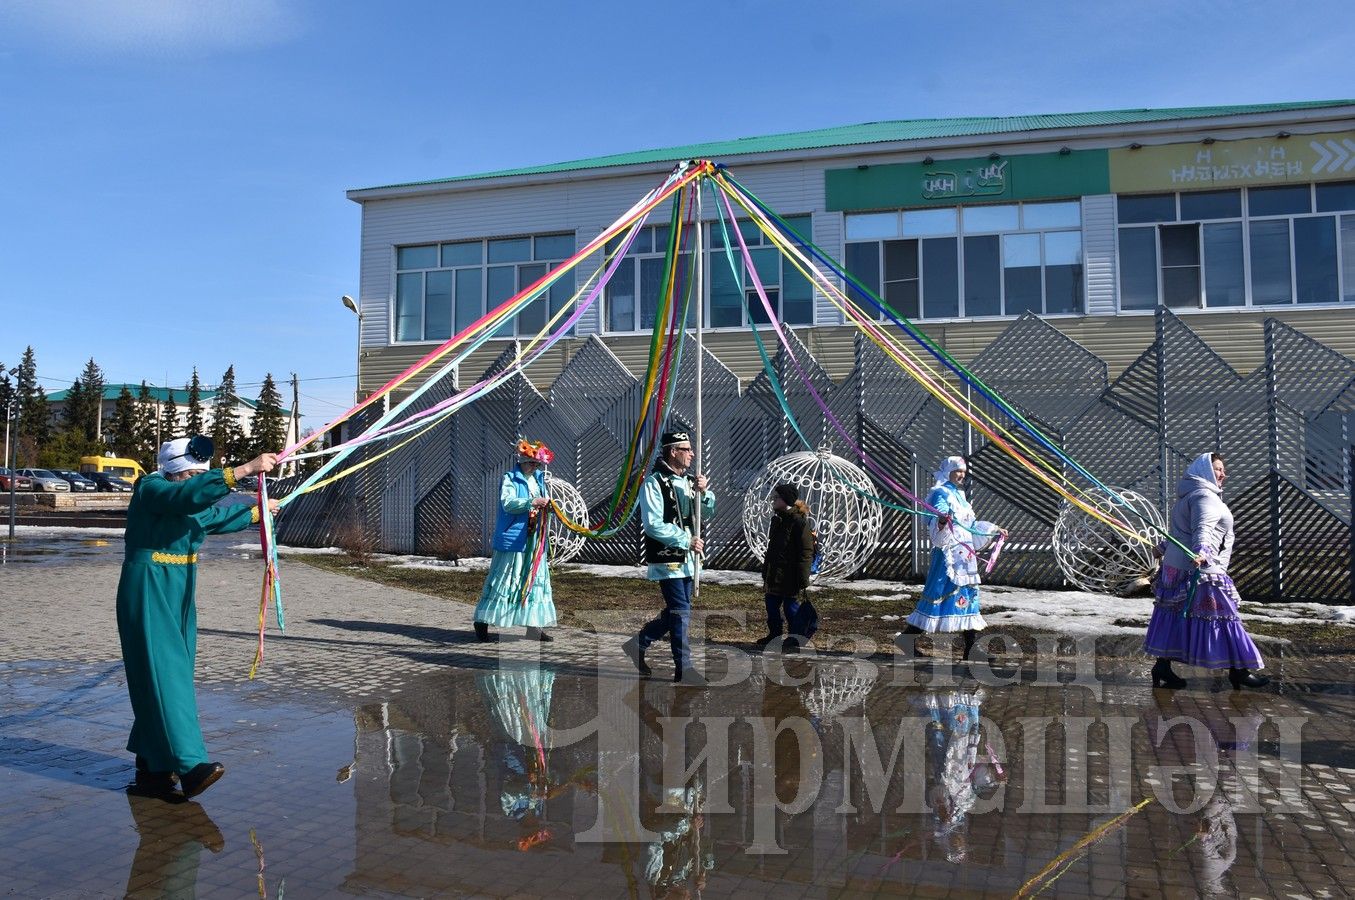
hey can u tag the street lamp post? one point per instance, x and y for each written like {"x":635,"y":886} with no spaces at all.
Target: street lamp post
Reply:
{"x":353,"y":307}
{"x":357,"y":386}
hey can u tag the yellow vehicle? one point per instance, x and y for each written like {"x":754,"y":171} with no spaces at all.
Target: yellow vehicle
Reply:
{"x":129,"y":470}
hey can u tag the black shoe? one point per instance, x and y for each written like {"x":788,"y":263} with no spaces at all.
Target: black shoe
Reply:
{"x":632,"y":649}
{"x":690,"y":678}
{"x":762,"y":642}
{"x":538,"y":634}
{"x":917,"y":650}
{"x":482,"y":633}
{"x":153,"y":784}
{"x":1241,"y":678}
{"x":200,"y":778}
{"x":791,"y":644}
{"x":1164,"y":677}
{"x":970,"y":636}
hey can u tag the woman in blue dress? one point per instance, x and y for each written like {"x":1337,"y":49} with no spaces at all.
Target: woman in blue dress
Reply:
{"x":517,"y":589}
{"x":950,"y":599}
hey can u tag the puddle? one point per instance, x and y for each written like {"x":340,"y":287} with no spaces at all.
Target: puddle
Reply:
{"x":469,"y":782}
{"x":50,"y":547}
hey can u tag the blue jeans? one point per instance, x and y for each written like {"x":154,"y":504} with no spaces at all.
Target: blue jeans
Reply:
{"x":677,"y":612}
{"x":775,"y":604}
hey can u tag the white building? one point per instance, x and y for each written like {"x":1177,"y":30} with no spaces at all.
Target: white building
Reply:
{"x":1228,"y":214}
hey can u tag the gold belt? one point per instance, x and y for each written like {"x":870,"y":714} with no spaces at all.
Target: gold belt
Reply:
{"x":169,"y":559}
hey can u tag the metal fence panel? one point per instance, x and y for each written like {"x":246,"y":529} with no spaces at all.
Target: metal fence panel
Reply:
{"x":1285,"y":430}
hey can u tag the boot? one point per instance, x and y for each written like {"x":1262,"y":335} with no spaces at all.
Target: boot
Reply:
{"x":970,"y":637}
{"x":482,"y":633}
{"x":913,"y":629}
{"x":1164,"y":677}
{"x":689,"y":678}
{"x":1241,"y":678}
{"x":539,"y":634}
{"x":200,"y":778}
{"x":770,"y":637}
{"x":637,"y":656}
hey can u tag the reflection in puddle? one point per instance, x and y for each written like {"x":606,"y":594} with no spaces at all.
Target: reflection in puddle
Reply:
{"x":480,"y":770}
{"x":51,"y":547}
{"x":170,"y":840}
{"x":520,"y":779}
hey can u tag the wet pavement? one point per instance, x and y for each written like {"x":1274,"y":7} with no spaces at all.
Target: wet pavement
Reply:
{"x":381,"y":752}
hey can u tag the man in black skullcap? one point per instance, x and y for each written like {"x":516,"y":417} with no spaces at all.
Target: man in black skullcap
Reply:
{"x":667,"y":506}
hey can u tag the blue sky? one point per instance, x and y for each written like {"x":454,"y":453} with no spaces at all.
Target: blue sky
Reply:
{"x":174,"y":173}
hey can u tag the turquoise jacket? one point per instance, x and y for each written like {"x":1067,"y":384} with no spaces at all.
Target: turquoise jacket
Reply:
{"x":515,"y":502}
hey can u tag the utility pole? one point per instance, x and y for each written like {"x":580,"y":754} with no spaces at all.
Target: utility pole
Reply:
{"x":9,"y":461}
{"x":294,"y":432}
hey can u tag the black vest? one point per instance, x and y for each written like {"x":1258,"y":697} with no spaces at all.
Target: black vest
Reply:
{"x":656,"y":551}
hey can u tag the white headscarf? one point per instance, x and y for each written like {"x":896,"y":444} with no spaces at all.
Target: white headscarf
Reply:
{"x":948,"y":465}
{"x":174,"y":457}
{"x":1202,"y":472}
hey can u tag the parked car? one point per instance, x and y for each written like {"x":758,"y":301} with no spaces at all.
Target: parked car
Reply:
{"x":250,"y":483}
{"x":21,"y":482}
{"x":77,"y":481}
{"x":108,"y":482}
{"x":44,"y":480}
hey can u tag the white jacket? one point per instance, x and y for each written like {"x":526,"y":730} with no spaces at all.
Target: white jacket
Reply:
{"x":1201,"y":520}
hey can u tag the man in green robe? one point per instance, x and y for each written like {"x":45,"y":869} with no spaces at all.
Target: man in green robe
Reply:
{"x":171,"y":512}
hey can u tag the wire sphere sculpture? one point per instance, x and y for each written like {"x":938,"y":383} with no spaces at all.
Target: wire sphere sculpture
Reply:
{"x":565,"y":544}
{"x":836,"y":689}
{"x":841,"y":511}
{"x":1101,"y":559}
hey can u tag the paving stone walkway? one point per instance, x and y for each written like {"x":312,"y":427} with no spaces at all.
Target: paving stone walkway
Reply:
{"x":381,"y":751}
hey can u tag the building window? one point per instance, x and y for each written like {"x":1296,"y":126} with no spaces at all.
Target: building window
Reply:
{"x":440,"y":289}
{"x":732,"y":301}
{"x":971,"y":261}
{"x":1227,"y":248}
{"x":632,"y":296}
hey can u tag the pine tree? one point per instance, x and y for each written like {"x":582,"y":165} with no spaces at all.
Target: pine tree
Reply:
{"x":169,"y":418}
{"x":268,"y":429}
{"x":34,"y":413}
{"x":196,"y":422}
{"x":90,"y":411}
{"x":121,"y":433}
{"x":227,"y":434}
{"x":78,"y":435}
{"x":6,"y":394}
{"x":74,"y":414}
{"x":146,"y":437}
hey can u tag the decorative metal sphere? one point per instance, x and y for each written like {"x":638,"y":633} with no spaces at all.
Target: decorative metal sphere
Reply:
{"x":847,"y":523}
{"x":565,"y":544}
{"x":837,"y":687}
{"x":1104,"y":560}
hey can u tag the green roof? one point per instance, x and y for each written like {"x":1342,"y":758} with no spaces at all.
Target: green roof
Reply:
{"x":111,"y":392}
{"x":886,"y":132}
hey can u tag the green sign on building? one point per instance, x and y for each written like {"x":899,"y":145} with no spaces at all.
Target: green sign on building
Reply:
{"x":952,"y":182}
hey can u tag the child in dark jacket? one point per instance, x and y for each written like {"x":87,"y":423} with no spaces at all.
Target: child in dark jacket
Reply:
{"x":786,"y":567}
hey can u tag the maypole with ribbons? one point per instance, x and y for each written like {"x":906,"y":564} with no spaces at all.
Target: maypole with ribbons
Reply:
{"x":683,"y":283}
{"x":700,"y":457}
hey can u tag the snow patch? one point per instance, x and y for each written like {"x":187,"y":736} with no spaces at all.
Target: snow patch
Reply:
{"x":39,"y":531}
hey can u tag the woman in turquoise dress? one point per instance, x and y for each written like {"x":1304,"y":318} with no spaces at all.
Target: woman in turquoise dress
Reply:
{"x":950,"y":598}
{"x":171,"y":512}
{"x":517,"y":589}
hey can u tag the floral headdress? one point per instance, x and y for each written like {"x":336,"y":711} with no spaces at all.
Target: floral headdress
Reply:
{"x":536,"y":451}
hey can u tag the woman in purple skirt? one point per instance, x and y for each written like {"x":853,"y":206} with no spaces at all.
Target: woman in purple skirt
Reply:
{"x":1195,"y":618}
